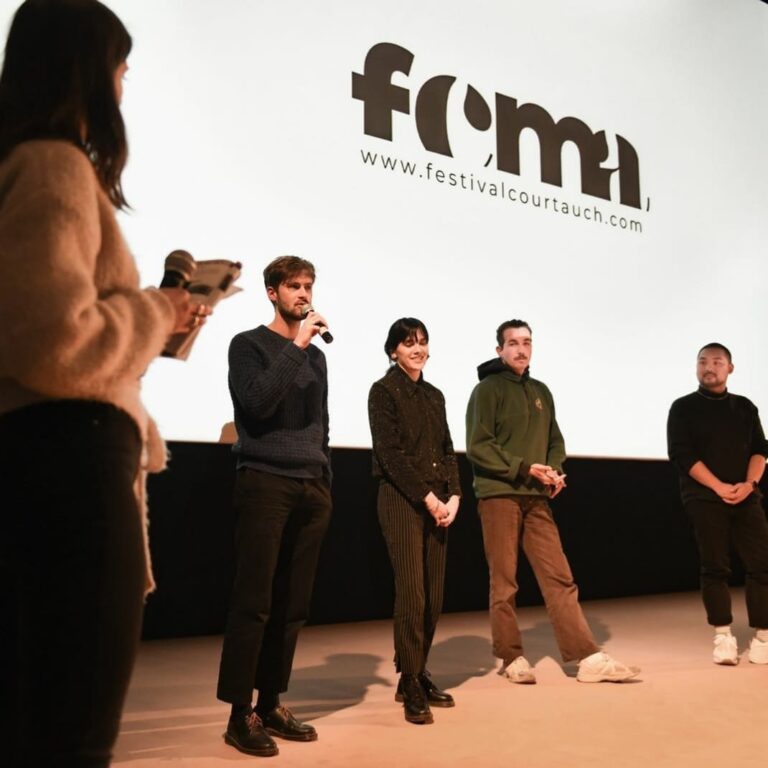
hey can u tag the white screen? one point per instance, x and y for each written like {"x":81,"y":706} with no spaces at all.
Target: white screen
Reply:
{"x":246,"y":144}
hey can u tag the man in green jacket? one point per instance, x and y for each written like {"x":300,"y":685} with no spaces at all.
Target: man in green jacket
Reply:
{"x":517,"y":452}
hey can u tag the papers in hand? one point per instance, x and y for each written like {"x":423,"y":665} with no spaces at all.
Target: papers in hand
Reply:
{"x":212,"y":281}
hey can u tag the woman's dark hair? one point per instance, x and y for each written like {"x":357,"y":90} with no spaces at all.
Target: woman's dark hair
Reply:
{"x":403,"y":329}
{"x":58,"y":82}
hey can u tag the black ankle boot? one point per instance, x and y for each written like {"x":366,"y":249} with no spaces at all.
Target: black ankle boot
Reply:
{"x":415,"y":704}
{"x":246,"y":732}
{"x":435,"y":696}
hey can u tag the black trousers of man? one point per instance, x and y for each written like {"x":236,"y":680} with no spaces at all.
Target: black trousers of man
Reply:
{"x":281,"y":522}
{"x":718,"y":526}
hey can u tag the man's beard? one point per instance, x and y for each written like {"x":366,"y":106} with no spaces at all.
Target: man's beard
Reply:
{"x":290,"y":314}
{"x":710,"y":381}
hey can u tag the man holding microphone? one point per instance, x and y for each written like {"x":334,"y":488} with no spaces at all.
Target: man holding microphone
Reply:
{"x":282,"y":499}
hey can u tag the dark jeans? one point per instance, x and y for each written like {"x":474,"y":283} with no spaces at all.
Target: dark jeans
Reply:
{"x":280,"y":526}
{"x":717,"y":526}
{"x":417,"y":550}
{"x":72,"y":569}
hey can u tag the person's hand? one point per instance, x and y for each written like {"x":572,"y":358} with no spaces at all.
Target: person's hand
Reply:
{"x":542,"y":473}
{"x":179,"y":298}
{"x":739,"y":492}
{"x":449,"y":512}
{"x":309,"y":328}
{"x":726,"y":491}
{"x":557,"y":485}
{"x":434,"y":506}
{"x":550,"y":478}
{"x":188,"y":315}
{"x":200,"y":314}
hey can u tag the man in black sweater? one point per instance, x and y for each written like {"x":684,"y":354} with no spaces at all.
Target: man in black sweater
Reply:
{"x":717,"y":442}
{"x":282,"y":498}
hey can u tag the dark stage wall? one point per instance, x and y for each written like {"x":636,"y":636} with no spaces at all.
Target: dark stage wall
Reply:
{"x":621,"y":522}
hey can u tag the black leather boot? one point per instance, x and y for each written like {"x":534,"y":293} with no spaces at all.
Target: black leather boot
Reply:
{"x":435,"y":696}
{"x":281,"y":722}
{"x":415,"y":704}
{"x":246,"y":732}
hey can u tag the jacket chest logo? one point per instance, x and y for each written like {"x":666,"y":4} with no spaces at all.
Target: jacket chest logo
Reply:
{"x":539,"y":405}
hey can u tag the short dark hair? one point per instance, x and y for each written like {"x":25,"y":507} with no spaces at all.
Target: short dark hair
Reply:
{"x":280,"y":269}
{"x":716,"y":345}
{"x":510,"y":324}
{"x":58,"y":82}
{"x":401,"y":330}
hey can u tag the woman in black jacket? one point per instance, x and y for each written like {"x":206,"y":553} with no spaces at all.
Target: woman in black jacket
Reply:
{"x":418,"y":499}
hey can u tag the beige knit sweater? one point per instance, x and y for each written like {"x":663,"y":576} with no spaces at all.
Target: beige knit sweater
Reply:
{"x":73,"y":321}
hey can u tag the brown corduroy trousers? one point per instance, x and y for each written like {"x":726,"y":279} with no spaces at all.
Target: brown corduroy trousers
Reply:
{"x":508,"y":523}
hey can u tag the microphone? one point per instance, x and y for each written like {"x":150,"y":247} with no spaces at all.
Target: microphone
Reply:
{"x":180,"y":266}
{"x":324,"y":334}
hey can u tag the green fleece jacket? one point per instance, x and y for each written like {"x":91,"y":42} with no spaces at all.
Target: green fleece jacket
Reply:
{"x":511,"y":425}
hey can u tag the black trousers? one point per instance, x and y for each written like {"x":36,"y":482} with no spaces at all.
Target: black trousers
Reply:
{"x":280,"y":526}
{"x":72,"y":570}
{"x":718,"y":525}
{"x":417,"y":549}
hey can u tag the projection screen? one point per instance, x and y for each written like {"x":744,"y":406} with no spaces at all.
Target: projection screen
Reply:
{"x":595,"y":168}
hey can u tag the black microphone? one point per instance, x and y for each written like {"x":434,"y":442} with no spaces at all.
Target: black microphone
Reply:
{"x":180,"y":266}
{"x":324,"y":334}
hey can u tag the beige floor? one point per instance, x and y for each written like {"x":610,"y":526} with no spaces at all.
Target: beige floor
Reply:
{"x":683,"y":712}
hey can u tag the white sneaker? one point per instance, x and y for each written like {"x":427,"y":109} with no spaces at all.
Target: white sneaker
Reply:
{"x":601,"y":668}
{"x":518,"y":671}
{"x":758,"y":651}
{"x":726,"y":650}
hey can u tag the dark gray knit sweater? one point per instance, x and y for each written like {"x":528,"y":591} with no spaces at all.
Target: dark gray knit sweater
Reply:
{"x":280,"y":397}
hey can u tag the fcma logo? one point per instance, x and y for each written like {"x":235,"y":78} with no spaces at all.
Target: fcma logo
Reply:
{"x":381,"y":97}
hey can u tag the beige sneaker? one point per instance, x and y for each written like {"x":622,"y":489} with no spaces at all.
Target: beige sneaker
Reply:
{"x":518,"y":671}
{"x":726,"y":650}
{"x":758,"y":651}
{"x":602,"y":668}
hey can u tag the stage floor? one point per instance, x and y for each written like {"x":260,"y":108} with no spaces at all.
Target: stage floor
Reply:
{"x":683,"y":711}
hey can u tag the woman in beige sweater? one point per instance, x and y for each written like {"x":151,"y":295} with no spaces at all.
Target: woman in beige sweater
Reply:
{"x":76,"y":336}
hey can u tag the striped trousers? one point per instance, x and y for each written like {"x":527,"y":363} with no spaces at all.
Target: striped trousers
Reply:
{"x":417,"y":550}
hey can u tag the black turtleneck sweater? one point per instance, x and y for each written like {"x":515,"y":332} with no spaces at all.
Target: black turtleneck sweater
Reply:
{"x":721,"y":430}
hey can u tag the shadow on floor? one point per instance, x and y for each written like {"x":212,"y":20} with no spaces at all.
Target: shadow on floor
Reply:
{"x":539,"y":642}
{"x":457,"y":659}
{"x":341,"y":682}
{"x":345,"y":678}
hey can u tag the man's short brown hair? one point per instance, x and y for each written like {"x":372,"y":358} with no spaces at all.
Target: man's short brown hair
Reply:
{"x":280,"y":269}
{"x":510,"y":324}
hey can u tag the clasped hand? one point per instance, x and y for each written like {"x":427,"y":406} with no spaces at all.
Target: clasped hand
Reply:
{"x":444,"y":513}
{"x":550,"y":478}
{"x":734,"y":493}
